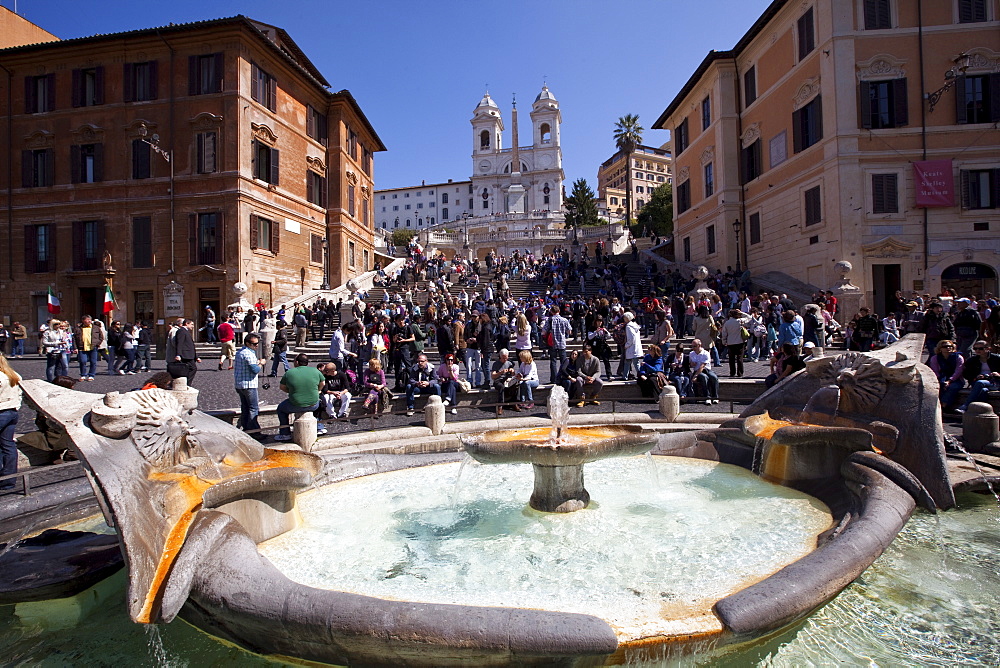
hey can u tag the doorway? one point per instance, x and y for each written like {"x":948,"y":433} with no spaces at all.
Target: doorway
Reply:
{"x":970,"y":279}
{"x":886,"y":280}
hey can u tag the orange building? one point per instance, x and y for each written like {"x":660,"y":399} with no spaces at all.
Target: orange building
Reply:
{"x":817,"y":134}
{"x":173,"y":162}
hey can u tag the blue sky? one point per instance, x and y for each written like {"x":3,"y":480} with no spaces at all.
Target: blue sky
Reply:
{"x":418,"y":69}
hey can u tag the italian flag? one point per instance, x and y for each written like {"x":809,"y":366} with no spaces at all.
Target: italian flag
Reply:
{"x":109,"y":299}
{"x":53,"y":302}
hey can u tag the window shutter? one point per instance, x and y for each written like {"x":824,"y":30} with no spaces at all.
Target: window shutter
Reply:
{"x":995,"y":188}
{"x":77,"y":88}
{"x":29,"y":95}
{"x":79,"y":261}
{"x":274,"y":167}
{"x":193,"y":88}
{"x":220,"y":238}
{"x":74,"y":164}
{"x":899,"y":103}
{"x":50,"y":255}
{"x":193,"y":238}
{"x":965,"y":11}
{"x":153,"y":80}
{"x":961,"y":108}
{"x":272,"y":93}
{"x":322,"y":192}
{"x":220,"y":79}
{"x":30,"y":250}
{"x":27,"y":169}
{"x":254,"y":232}
{"x":310,"y":187}
{"x":210,"y":152}
{"x":50,"y":85}
{"x":865,"y":103}
{"x":817,"y":119}
{"x":310,"y":121}
{"x":101,"y":242}
{"x":98,"y":162}
{"x":965,"y":188}
{"x":50,"y":167}
{"x":128,"y":82}
{"x":275,"y":237}
{"x":994,"y":84}
{"x":99,"y":85}
{"x":254,"y":82}
{"x":892,"y":193}
{"x":200,"y":152}
{"x":797,"y":130}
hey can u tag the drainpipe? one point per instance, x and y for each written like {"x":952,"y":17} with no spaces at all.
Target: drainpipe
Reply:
{"x":10,"y":174}
{"x":743,"y":187}
{"x":171,"y":153}
{"x":923,"y":124}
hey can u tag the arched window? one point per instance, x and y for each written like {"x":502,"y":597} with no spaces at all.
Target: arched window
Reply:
{"x":420,"y":222}
{"x":545,"y":193}
{"x":545,"y":133}
{"x":444,"y":198}
{"x":407,"y":222}
{"x":484,"y":139}
{"x":444,"y":213}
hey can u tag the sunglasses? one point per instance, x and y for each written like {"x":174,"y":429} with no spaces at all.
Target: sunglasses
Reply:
{"x":976,"y":347}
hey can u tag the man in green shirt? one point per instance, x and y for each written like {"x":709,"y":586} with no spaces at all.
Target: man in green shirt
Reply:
{"x":303,"y":384}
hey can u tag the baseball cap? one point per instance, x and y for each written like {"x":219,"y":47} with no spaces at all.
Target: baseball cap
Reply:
{"x":808,"y":344}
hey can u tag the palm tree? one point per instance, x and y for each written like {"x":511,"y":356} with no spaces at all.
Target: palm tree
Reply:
{"x":628,"y":135}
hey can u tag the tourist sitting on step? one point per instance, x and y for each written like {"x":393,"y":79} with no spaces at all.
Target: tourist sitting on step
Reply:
{"x":982,"y":370}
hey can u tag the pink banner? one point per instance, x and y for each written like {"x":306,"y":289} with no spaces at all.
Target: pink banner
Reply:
{"x":935,"y":183}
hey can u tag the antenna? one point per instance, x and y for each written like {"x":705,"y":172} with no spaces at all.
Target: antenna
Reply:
{"x":514,"y":96}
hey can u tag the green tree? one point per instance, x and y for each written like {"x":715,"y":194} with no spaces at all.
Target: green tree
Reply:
{"x":628,"y":135}
{"x":402,"y":237}
{"x":658,"y":214}
{"x":581,"y":209}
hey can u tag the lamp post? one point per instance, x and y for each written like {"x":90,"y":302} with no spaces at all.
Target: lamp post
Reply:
{"x":961,"y":63}
{"x":618,"y":212}
{"x":737,"y":226}
{"x":326,"y":264}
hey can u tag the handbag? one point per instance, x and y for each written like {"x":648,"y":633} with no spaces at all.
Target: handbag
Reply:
{"x":464,"y":385}
{"x":550,"y":340}
{"x":744,"y":334}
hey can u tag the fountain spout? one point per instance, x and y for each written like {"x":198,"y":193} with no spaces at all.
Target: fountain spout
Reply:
{"x":558,"y":406}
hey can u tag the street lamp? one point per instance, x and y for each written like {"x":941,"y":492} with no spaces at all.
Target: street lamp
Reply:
{"x":737,"y":226}
{"x":618,"y":212}
{"x":326,"y":265}
{"x":465,"y":221}
{"x":961,"y":63}
{"x":168,"y":155}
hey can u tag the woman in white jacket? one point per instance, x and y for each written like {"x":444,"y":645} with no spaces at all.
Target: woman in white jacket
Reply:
{"x":732,"y":336}
{"x":633,"y":347}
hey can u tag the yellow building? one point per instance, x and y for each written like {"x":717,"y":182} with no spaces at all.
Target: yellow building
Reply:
{"x":651,"y":168}
{"x":826,"y":134}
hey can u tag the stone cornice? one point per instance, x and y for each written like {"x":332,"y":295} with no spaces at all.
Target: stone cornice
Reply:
{"x":263,"y":134}
{"x":881,"y":67}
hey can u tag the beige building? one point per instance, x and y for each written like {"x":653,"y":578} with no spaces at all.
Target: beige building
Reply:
{"x":828,"y":134}
{"x":651,"y":168}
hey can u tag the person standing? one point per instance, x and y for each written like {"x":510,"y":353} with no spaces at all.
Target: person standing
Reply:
{"x":10,"y":403}
{"x":246,"y":370}
{"x":144,"y":361}
{"x":185,"y":353}
{"x":279,"y":350}
{"x":227,"y":337}
{"x":87,"y":339}
{"x":734,"y":334}
{"x":633,"y":347}
{"x":303,"y":384}
{"x":4,"y":337}
{"x":20,"y":334}
{"x":52,"y":345}
{"x":559,"y":327}
{"x":487,"y":346}
{"x":209,"y":327}
{"x":301,"y":321}
{"x":338,"y":345}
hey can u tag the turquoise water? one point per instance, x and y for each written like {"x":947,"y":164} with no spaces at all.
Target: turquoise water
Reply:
{"x":933,"y":599}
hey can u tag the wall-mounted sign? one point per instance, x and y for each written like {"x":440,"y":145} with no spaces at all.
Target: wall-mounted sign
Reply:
{"x":935,"y":183}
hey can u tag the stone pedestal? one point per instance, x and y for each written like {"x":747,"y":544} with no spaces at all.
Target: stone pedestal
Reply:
{"x":849,"y":296}
{"x":187,"y":396}
{"x":981,"y":429}
{"x":669,"y":402}
{"x":304,"y":431}
{"x":559,"y":489}
{"x":434,"y":414}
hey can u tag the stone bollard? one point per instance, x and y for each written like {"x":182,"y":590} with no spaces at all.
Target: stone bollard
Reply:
{"x":304,"y":431}
{"x":670,"y":403}
{"x":187,"y":396}
{"x":981,"y":429}
{"x":434,"y":414}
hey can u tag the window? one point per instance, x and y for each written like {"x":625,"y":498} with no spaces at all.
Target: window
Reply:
{"x":471,"y":204}
{"x":366,"y":256}
{"x":706,"y":113}
{"x":142,"y":242}
{"x":37,"y":168}
{"x":88,"y":244}
{"x":39,"y":94}
{"x":206,"y":143}
{"x":814,"y":207}
{"x":39,"y":249}
{"x":420,"y":205}
{"x":88,"y":87}
{"x":444,"y":213}
{"x":139,"y":81}
{"x":141,"y":160}
{"x":883,"y":104}
{"x":486,"y":204}
{"x":142,"y":306}
{"x":614,"y":200}
{"x":885,"y":198}
{"x":263,"y":87}
{"x":366,"y":160}
{"x":316,"y":125}
{"x":395,"y":208}
{"x":978,"y":98}
{"x":814,"y":239}
{"x":971,"y":11}
{"x":749,"y":86}
{"x":639,"y":203}
{"x":684,"y":197}
{"x":364,"y":212}
{"x":444,"y":198}
{"x":709,"y":180}
{"x":206,"y":238}
{"x":710,"y":240}
{"x":807,"y":34}
{"x":352,"y":144}
{"x":86,"y":163}
{"x":264,"y":234}
{"x":754,"y":228}
{"x":751,"y":162}
{"x":807,"y":124}
{"x":316,"y":188}
{"x":681,"y":140}
{"x":205,"y":74}
{"x":545,"y":133}
{"x":981,"y":189}
{"x":351,"y":190}
{"x":407,"y":207}
{"x":638,"y":175}
{"x":351,"y":252}
{"x":877,"y":16}
{"x":687,"y":249}
{"x":265,"y":163}
{"x":484,"y":139}
{"x":640,"y":189}
{"x":315,"y":249}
